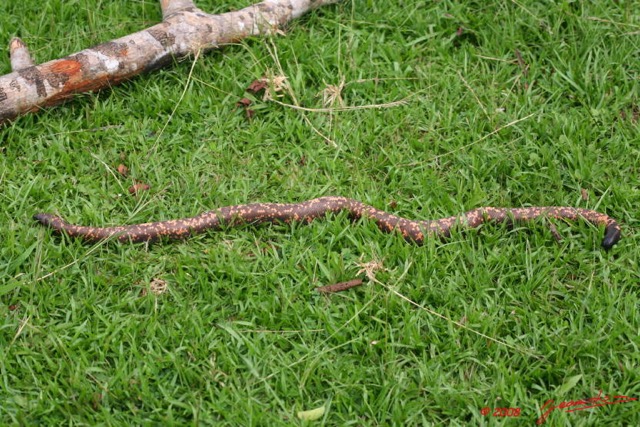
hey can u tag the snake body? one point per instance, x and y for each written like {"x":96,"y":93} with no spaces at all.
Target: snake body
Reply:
{"x":307,"y":211}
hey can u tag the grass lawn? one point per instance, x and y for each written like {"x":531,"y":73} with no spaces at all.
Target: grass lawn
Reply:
{"x":504,"y":103}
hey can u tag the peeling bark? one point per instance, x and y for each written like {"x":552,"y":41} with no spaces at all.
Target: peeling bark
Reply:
{"x":185,"y":29}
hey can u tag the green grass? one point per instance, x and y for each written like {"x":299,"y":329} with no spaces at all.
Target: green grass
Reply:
{"x":239,"y":337}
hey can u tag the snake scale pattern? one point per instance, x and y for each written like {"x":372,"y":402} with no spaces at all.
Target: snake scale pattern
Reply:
{"x":307,"y":211}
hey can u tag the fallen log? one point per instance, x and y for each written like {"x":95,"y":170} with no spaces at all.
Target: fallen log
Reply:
{"x":184,"y":30}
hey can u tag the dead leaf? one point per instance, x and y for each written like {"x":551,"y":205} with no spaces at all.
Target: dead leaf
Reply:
{"x":139,"y":187}
{"x":123,"y":170}
{"x":257,"y":85}
{"x":243,"y":103}
{"x":584,"y":194}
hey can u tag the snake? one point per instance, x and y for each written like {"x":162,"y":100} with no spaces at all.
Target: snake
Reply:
{"x":307,"y":211}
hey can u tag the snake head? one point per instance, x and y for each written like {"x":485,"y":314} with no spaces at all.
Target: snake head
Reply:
{"x":611,"y":236}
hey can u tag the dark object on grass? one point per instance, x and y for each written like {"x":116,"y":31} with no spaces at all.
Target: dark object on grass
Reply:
{"x":256,"y":213}
{"x":339,"y":287}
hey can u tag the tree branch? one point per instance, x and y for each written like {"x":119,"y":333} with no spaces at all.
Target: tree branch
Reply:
{"x":185,"y":29}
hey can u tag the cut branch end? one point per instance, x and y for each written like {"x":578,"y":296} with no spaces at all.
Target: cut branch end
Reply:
{"x":19,"y":55}
{"x":169,"y":7}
